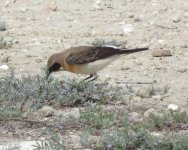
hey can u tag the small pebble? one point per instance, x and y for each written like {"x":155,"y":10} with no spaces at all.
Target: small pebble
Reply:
{"x":144,"y":92}
{"x":139,"y":18}
{"x":128,"y":29}
{"x":77,"y":9}
{"x":1,"y":38}
{"x":184,"y":45}
{"x":5,"y":59}
{"x":134,"y":117}
{"x":120,"y":33}
{"x":162,"y":42}
{"x":176,"y":19}
{"x":157,"y":97}
{"x":182,"y":70}
{"x":2,"y":44}
{"x":4,"y":67}
{"x":145,"y":73}
{"x":125,"y":68}
{"x":21,"y":69}
{"x":13,"y":1}
{"x":157,"y":134}
{"x":138,"y":63}
{"x":38,"y":60}
{"x":131,"y":15}
{"x":2,"y":25}
{"x":186,"y":14}
{"x":161,"y":52}
{"x":23,"y":10}
{"x":172,"y":107}
{"x":137,"y":98}
{"x":50,"y":7}
{"x":45,"y":111}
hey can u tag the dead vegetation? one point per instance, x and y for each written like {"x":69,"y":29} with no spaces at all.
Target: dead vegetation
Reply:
{"x":97,"y":124}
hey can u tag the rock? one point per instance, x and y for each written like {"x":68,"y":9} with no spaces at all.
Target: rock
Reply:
{"x":4,"y":67}
{"x":157,"y":97}
{"x":15,"y":41}
{"x":137,"y":98}
{"x":45,"y":111}
{"x":186,"y":25}
{"x":184,"y":45}
{"x":14,"y":1}
{"x":98,"y":42}
{"x":128,"y":29}
{"x":97,"y":5}
{"x":1,"y":38}
{"x":185,"y":14}
{"x":138,"y":18}
{"x":38,"y":60}
{"x":5,"y":59}
{"x":131,"y":15}
{"x":145,"y":73}
{"x":125,"y":68}
{"x":162,"y":42}
{"x":138,"y":63}
{"x":74,"y":138}
{"x":23,"y":10}
{"x":134,"y":117}
{"x":8,"y":43}
{"x":176,"y":18}
{"x":157,"y":134}
{"x":2,"y":44}
{"x":77,"y":9}
{"x":115,"y":42}
{"x":161,"y":52}
{"x":182,"y":70}
{"x":73,"y":112}
{"x":2,"y":25}
{"x":144,"y":92}
{"x":50,"y":7}
{"x":150,"y":111}
{"x":23,"y":145}
{"x":173,"y":107}
{"x":112,"y":42}
{"x":120,"y":33}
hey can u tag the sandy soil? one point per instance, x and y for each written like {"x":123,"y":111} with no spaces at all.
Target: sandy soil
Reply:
{"x":37,"y":32}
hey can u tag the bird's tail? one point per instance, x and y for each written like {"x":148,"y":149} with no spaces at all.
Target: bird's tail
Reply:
{"x":129,"y":51}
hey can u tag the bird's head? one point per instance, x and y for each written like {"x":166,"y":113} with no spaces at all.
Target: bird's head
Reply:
{"x":53,"y":65}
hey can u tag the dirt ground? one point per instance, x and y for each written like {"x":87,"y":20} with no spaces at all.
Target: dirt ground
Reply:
{"x":36,"y":32}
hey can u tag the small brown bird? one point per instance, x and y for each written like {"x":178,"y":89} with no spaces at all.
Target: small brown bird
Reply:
{"x":86,"y":59}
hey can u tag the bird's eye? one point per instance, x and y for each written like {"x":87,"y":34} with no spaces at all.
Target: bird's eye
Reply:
{"x":54,"y":67}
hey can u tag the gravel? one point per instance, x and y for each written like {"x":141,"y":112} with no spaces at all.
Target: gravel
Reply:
{"x":2,"y":25}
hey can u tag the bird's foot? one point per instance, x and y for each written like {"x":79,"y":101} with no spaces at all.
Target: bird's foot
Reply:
{"x":92,"y":77}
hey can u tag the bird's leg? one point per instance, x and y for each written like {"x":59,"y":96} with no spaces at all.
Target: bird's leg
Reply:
{"x":95,"y":76}
{"x":90,"y":76}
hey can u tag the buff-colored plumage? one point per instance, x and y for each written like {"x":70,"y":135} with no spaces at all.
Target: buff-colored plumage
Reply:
{"x":86,"y":59}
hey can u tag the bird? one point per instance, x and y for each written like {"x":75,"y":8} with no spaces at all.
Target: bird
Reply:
{"x":86,"y":60}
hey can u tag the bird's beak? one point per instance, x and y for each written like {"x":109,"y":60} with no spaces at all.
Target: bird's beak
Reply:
{"x":47,"y":74}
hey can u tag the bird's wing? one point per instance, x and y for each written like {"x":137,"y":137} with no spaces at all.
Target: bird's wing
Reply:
{"x":87,"y":54}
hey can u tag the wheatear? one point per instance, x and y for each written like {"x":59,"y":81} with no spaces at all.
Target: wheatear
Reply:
{"x":86,"y":59}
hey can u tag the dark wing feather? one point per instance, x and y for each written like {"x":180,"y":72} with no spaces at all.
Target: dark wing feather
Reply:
{"x":86,"y":54}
